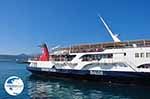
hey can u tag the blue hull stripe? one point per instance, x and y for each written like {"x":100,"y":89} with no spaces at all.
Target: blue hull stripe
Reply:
{"x":93,"y":72}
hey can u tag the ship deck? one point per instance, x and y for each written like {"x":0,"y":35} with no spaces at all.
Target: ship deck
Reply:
{"x":108,"y":45}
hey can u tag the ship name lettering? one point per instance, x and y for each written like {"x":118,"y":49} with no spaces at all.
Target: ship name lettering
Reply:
{"x":96,"y":72}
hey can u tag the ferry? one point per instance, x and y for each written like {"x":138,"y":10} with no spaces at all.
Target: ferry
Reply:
{"x":117,"y":61}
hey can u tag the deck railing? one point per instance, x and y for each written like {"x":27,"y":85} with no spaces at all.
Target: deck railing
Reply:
{"x":109,"y":45}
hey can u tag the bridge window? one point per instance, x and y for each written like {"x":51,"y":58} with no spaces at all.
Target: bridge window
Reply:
{"x":148,"y":55}
{"x":137,"y":55}
{"x":141,"y":55}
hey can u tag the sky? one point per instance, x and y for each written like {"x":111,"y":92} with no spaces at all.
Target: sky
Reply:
{"x":24,"y":24}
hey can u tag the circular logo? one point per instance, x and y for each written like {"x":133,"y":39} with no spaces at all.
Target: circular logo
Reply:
{"x":14,"y":85}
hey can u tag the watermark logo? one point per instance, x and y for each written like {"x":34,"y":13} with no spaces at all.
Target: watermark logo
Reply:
{"x":14,"y":85}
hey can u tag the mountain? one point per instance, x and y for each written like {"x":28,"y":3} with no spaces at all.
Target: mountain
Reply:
{"x":15,"y":58}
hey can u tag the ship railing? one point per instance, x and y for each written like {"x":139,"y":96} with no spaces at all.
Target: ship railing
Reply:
{"x":102,"y":46}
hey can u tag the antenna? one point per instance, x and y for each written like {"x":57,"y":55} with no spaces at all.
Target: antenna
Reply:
{"x":55,"y":48}
{"x":114,"y":36}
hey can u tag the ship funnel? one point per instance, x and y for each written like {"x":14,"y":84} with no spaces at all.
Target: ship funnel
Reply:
{"x":114,"y":36}
{"x":45,"y":53}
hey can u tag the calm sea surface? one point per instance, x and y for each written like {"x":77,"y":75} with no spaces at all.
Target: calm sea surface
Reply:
{"x":65,"y":89}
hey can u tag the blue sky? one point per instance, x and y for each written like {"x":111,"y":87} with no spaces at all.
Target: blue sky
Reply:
{"x":24,"y":24}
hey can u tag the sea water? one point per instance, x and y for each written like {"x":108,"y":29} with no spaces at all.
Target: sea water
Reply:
{"x":48,"y":88}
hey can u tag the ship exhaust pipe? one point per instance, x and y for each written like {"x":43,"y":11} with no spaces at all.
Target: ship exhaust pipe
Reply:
{"x":45,"y":53}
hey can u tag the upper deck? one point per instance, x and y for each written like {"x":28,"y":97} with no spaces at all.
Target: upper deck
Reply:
{"x":108,"y":45}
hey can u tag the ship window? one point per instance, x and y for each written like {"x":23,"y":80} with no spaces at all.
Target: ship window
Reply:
{"x":93,"y":57}
{"x":63,"y":57}
{"x":69,"y":57}
{"x":144,"y":66}
{"x":136,"y":55}
{"x":110,"y":56}
{"x":147,"y":55}
{"x":125,"y":54}
{"x":141,"y":54}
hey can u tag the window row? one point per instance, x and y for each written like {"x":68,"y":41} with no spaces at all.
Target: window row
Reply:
{"x":93,"y":57}
{"x":141,"y":55}
{"x":62,"y":57}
